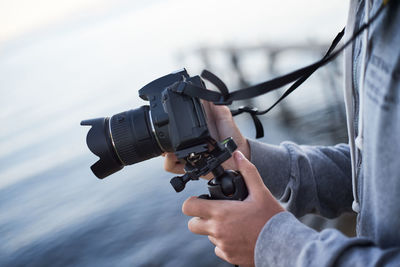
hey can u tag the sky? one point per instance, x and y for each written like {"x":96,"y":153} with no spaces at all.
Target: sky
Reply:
{"x":19,"y":17}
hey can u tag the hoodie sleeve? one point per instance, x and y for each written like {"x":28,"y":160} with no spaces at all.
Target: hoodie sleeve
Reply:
{"x":310,"y":179}
{"x":284,"y":241}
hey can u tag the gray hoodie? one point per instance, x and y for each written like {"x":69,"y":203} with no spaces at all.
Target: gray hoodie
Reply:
{"x":363,"y":175}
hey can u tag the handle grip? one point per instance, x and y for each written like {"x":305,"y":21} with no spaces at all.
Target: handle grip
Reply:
{"x":228,"y":186}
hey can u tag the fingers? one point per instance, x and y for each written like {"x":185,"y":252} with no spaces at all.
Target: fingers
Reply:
{"x":217,"y":112}
{"x":213,"y":240}
{"x":210,"y":120}
{"x":172,"y":164}
{"x":197,"y":207}
{"x":219,"y":120}
{"x":199,"y":226}
{"x":252,"y":178}
{"x":221,"y":113}
{"x":220,"y":254}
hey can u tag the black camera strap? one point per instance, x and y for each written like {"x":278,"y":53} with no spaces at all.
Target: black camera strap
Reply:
{"x":224,"y":97}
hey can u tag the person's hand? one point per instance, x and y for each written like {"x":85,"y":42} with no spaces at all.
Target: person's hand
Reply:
{"x":233,"y":226}
{"x":221,"y":125}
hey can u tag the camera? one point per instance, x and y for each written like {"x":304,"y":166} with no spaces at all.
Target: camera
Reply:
{"x":172,"y":122}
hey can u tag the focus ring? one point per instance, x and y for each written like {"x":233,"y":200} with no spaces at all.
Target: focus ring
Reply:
{"x":123,"y":138}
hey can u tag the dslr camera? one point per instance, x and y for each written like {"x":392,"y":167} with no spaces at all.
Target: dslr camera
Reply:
{"x":172,"y":122}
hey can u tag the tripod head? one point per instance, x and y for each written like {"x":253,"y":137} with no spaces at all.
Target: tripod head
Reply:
{"x":226,"y":184}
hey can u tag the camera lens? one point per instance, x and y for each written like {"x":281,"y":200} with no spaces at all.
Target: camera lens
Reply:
{"x":124,"y":139}
{"x":132,"y":136}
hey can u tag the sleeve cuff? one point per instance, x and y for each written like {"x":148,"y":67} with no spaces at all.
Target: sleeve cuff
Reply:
{"x":273,"y":164}
{"x":285,"y":241}
{"x":281,"y":241}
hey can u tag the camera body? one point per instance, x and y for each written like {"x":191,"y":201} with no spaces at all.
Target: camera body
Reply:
{"x":179,"y":121}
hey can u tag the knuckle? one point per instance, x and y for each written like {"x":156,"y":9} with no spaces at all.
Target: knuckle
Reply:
{"x":217,"y":252}
{"x":230,"y":255}
{"x":211,"y":213}
{"x":191,"y":225}
{"x":231,"y":260}
{"x":226,"y":111}
{"x":186,"y":206}
{"x":250,"y":170}
{"x":250,"y":166}
{"x":218,"y":231}
{"x":213,"y":240}
{"x":221,"y":214}
{"x":166,"y":166}
{"x":213,"y":231}
{"x":224,"y":248}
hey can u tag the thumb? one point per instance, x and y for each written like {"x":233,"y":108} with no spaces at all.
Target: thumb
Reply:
{"x":252,"y":178}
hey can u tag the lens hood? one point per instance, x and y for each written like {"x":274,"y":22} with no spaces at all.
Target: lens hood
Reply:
{"x":99,"y":142}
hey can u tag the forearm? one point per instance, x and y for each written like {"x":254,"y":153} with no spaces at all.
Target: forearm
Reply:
{"x":284,"y":241}
{"x":308,"y":178}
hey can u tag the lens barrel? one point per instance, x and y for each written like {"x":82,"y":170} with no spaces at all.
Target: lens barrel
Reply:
{"x":124,"y":139}
{"x":133,"y":137}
